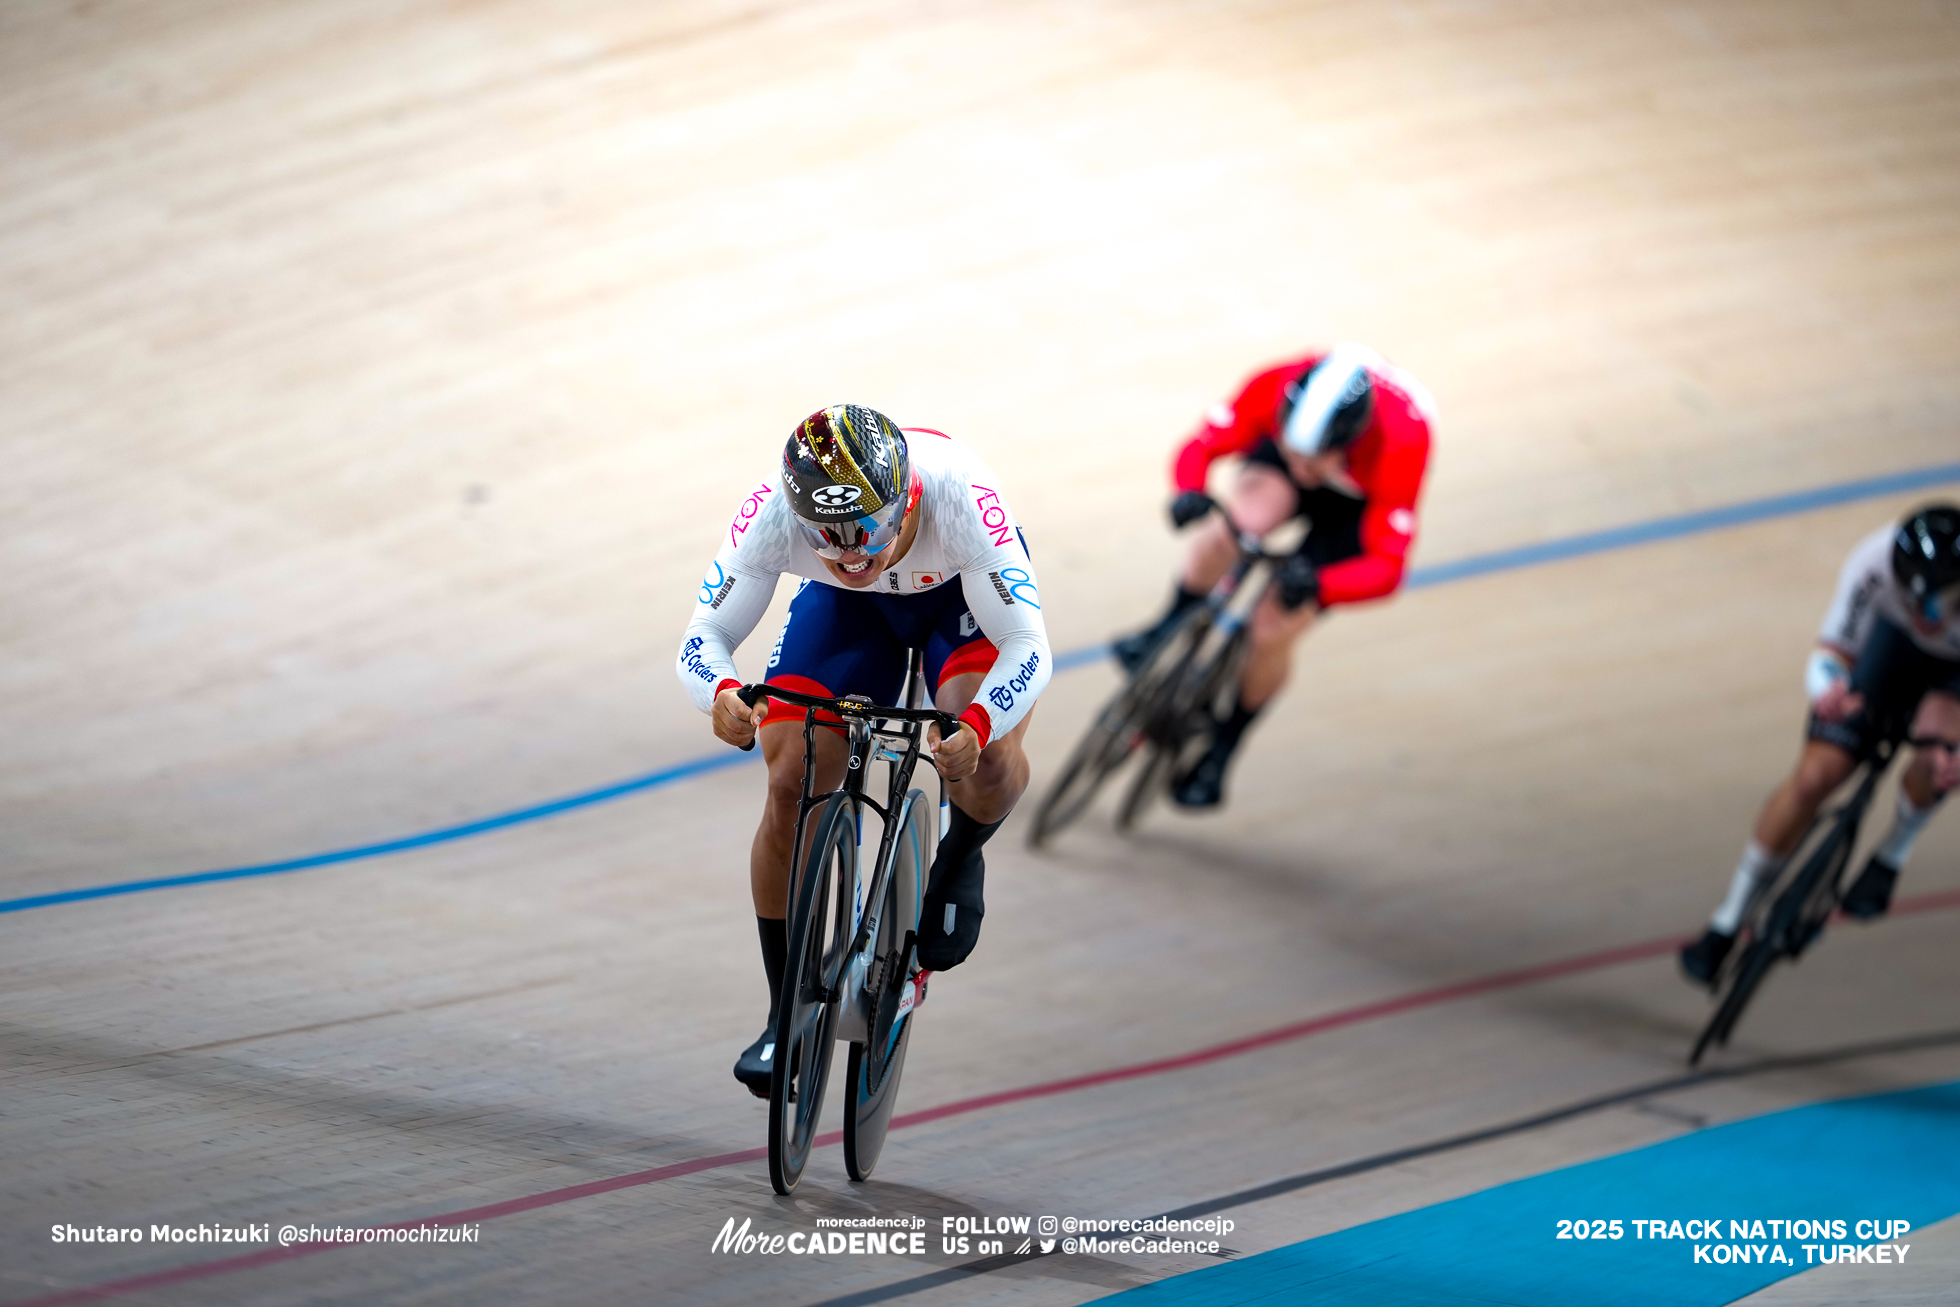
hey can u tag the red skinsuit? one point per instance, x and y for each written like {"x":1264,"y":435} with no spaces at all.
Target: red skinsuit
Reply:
{"x":1386,"y":462}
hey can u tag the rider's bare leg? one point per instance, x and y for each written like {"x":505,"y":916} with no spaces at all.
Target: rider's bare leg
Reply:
{"x":1002,"y":777}
{"x":769,"y":867}
{"x":1780,"y":827}
{"x":1821,"y":768}
{"x":1928,"y":778}
{"x":1787,"y":814}
{"x":949,"y":919}
{"x":769,"y":855}
{"x":1261,"y":499}
{"x":1269,"y":651}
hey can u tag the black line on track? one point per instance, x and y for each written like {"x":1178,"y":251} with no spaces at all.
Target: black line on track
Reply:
{"x":404,"y":1010}
{"x":1308,"y":1179}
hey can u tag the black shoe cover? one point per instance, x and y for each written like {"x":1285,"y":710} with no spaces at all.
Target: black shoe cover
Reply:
{"x":1871,"y":894}
{"x":758,"y":1063}
{"x":1702,"y":960}
{"x":1133,"y":651}
{"x":1204,"y":785}
{"x":949,"y":919}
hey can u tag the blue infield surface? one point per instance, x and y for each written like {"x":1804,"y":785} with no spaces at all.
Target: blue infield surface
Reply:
{"x":1886,"y":1158}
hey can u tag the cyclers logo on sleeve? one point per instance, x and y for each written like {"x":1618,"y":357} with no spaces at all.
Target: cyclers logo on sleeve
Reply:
{"x":1012,"y":583}
{"x":692,"y":660}
{"x":715,"y":587}
{"x":1003,"y":696}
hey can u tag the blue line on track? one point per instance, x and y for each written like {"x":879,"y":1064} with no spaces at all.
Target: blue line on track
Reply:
{"x":1684,"y":524}
{"x":1074,"y":658}
{"x":650,"y":781}
{"x":1888,"y":1157}
{"x":1504,"y":560}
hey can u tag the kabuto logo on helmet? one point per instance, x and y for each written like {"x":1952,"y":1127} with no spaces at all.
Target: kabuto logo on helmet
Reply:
{"x":837,"y":496}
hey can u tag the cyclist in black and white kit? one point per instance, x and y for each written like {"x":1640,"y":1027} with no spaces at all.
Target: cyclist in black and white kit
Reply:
{"x":903,"y":541}
{"x":1887,"y":665}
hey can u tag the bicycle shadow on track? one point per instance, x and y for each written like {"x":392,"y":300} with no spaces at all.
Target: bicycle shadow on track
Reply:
{"x":589,"y":1148}
{"x":1643,"y":1010}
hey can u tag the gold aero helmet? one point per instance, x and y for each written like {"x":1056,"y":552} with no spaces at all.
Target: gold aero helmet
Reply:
{"x":849,"y":479}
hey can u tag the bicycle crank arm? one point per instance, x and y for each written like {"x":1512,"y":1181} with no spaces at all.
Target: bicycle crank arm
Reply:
{"x":853,"y":1018}
{"x":914,"y":995}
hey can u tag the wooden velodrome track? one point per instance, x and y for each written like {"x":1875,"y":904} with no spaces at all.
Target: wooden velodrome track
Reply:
{"x":374,"y":382}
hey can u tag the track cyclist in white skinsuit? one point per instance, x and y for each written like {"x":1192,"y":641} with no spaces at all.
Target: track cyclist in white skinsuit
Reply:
{"x":903,"y":541}
{"x":1886,"y":666}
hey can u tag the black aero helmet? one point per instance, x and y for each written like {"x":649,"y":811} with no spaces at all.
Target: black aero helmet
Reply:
{"x":1327,"y":407}
{"x":848,"y":476}
{"x":1926,"y":559}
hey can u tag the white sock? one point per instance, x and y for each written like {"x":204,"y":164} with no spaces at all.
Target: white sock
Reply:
{"x":1758,"y":867}
{"x":1897,"y":845}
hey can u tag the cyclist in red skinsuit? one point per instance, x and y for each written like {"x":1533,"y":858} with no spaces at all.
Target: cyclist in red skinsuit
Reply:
{"x":1340,"y":437}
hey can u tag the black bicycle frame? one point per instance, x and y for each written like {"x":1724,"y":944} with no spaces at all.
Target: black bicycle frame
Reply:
{"x":1252,"y":552}
{"x":858,"y":712}
{"x":1852,"y":813}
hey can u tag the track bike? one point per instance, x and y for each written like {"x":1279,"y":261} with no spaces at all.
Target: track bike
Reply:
{"x":1165,"y":712}
{"x":852,"y":969}
{"x":1783,"y":921}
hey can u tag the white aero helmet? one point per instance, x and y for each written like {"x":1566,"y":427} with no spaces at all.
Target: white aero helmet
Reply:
{"x":1328,"y":406}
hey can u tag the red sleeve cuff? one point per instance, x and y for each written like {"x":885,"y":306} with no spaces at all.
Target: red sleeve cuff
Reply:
{"x":983,"y":726}
{"x":1193,"y":461}
{"x":727,"y":683}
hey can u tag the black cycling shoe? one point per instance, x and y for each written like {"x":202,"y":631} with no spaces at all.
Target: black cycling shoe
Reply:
{"x":757,"y":1065}
{"x":1204,"y":785}
{"x":1133,"y":651}
{"x":950,"y":917}
{"x":1871,"y":894}
{"x":1702,"y":960}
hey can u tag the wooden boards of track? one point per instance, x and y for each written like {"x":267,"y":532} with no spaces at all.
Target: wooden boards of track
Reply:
{"x":381,"y":379}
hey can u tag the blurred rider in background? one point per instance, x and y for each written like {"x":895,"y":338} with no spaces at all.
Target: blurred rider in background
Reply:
{"x":903,"y":541}
{"x":1886,"y":667}
{"x":1341,"y":438}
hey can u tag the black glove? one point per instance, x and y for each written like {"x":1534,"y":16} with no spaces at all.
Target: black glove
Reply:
{"x":1189,"y":506}
{"x":1299,"y":583}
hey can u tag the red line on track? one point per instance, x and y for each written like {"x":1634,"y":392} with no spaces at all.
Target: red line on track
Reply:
{"x":1299,"y":1030}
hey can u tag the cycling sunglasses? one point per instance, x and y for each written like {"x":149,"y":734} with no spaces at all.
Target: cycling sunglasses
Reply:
{"x":1938,"y":605}
{"x":871,"y":534}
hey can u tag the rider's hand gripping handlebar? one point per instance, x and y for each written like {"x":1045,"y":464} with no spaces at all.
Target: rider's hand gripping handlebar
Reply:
{"x":748,"y":694}
{"x":1189,"y":506}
